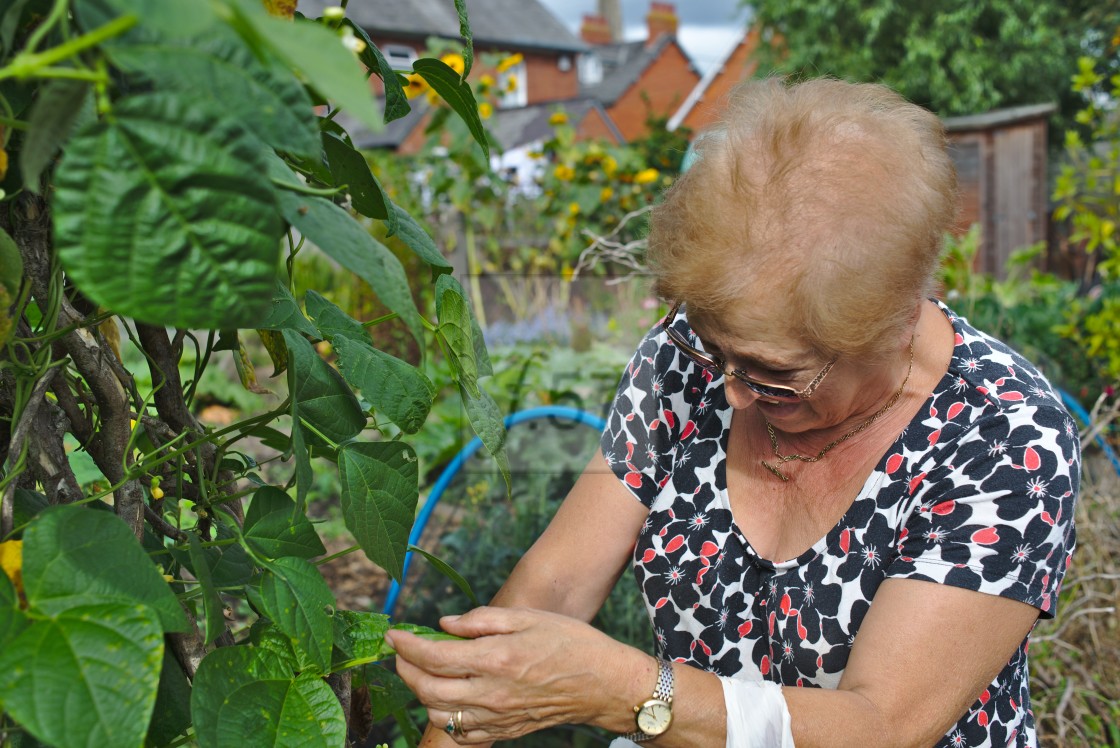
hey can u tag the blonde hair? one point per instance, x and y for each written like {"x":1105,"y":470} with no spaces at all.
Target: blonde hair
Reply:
{"x":832,"y":197}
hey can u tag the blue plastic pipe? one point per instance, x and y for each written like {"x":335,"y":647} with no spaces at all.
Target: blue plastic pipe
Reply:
{"x":1083,"y":416}
{"x":456,"y":464}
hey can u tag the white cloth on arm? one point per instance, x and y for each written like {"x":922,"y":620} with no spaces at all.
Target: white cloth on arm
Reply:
{"x":757,"y":716}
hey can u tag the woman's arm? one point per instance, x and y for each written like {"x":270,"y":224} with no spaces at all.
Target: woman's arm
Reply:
{"x":924,"y":654}
{"x":573,"y":566}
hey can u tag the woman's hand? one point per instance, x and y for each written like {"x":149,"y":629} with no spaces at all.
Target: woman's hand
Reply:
{"x":523,"y":670}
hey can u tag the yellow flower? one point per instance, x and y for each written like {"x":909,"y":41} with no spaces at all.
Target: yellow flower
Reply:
{"x":11,"y":561}
{"x":416,"y":85}
{"x":535,"y":155}
{"x":454,"y":61}
{"x":558,"y":118}
{"x":564,"y":173}
{"x":567,"y":272}
{"x":432,"y":97}
{"x":486,"y":81}
{"x":645,"y":176}
{"x":573,"y":208}
{"x":605,"y":194}
{"x":510,"y":62}
{"x":610,"y":166}
{"x":511,"y":84}
{"x":485,"y":109}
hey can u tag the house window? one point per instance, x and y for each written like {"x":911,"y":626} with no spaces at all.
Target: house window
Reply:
{"x":513,"y":83}
{"x":399,"y":56}
{"x":590,"y":69}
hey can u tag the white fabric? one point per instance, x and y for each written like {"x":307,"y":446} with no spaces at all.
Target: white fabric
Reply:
{"x":757,"y":716}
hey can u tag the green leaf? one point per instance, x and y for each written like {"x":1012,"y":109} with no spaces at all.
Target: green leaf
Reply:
{"x":456,"y":92}
{"x":273,"y":644}
{"x":478,"y":342}
{"x":456,"y":331}
{"x":220,"y":674}
{"x":303,"y":713}
{"x":317,"y":54}
{"x":28,"y":505}
{"x":448,"y":571}
{"x":172,"y":19}
{"x":417,"y":239}
{"x":12,"y":619}
{"x":286,"y":314}
{"x":211,"y":600}
{"x":396,"y":102}
{"x":302,"y":457}
{"x":380,"y":489}
{"x":53,"y":115}
{"x":172,"y":713}
{"x":486,"y":420}
{"x":325,"y":402}
{"x":332,"y":322}
{"x":346,"y":241}
{"x":87,"y":677}
{"x":468,"y":38}
{"x":395,"y":388}
{"x":297,"y":600}
{"x":274,"y":527}
{"x":350,"y":168}
{"x":268,"y":101}
{"x":387,"y":692}
{"x":163,"y":213}
{"x":74,"y":556}
{"x":229,"y":565}
{"x":360,"y":635}
{"x":11,"y":264}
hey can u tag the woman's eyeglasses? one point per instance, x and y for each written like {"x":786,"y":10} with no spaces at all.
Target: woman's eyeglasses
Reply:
{"x":717,"y":365}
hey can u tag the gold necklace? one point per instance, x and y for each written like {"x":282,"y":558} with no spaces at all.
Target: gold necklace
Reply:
{"x":783,"y":459}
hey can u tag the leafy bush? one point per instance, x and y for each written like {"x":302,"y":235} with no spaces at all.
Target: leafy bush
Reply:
{"x":141,"y":603}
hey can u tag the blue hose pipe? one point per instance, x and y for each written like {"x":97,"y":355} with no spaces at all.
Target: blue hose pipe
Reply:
{"x":457,"y":463}
{"x":1082,"y":415}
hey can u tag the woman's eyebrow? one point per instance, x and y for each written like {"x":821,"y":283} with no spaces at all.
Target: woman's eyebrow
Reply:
{"x":753,"y":360}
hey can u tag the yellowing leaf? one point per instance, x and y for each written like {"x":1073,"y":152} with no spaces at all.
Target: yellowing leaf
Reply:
{"x":11,"y":561}
{"x":281,"y":8}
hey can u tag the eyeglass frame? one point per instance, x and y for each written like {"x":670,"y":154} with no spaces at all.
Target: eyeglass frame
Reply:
{"x":716,"y":365}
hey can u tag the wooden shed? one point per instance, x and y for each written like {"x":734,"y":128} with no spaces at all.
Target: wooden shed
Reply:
{"x":1001,"y":166}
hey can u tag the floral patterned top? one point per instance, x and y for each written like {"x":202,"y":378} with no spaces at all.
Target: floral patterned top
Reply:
{"x":978,"y":492}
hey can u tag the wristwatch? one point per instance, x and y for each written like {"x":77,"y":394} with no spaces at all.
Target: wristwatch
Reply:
{"x":654,"y":715}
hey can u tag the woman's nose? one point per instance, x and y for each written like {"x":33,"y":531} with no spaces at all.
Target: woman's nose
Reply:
{"x":738,"y":394}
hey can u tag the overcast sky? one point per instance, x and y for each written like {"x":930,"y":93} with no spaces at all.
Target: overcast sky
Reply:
{"x":707,"y":31}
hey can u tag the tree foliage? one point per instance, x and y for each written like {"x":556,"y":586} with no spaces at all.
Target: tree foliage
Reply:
{"x":954,"y":57}
{"x":163,"y":166}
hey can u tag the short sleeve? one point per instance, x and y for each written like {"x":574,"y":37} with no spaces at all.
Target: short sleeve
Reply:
{"x":649,"y":415}
{"x":996,"y":514}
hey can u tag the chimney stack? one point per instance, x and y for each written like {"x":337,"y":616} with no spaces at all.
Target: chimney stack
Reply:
{"x":612,"y":11}
{"x":595,"y":30}
{"x":662,"y":19}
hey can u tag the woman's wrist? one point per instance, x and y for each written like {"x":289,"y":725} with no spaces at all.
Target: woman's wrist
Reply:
{"x":625,"y":681}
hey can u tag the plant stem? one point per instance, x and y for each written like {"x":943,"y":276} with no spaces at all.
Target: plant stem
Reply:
{"x":340,"y":554}
{"x":27,"y":65}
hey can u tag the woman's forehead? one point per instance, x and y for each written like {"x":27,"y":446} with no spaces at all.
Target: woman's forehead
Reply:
{"x":761,"y":334}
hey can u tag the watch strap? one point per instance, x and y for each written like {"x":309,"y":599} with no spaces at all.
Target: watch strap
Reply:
{"x":663,"y":691}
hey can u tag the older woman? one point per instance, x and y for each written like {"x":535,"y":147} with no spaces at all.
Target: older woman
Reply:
{"x":846,"y":507}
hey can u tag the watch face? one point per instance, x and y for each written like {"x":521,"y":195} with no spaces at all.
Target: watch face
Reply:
{"x":654,"y":717}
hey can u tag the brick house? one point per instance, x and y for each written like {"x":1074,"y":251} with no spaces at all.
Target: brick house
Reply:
{"x":1000,"y":157}
{"x":635,"y":79}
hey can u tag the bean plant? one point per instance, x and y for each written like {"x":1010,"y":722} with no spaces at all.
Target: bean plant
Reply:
{"x":163,"y":165}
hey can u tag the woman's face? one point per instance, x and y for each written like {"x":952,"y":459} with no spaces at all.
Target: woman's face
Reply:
{"x":760,"y":341}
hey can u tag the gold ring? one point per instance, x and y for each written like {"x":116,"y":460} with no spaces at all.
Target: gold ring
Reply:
{"x":457,"y":721}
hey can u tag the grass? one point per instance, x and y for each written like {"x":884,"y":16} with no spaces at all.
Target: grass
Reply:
{"x":1075,"y":658}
